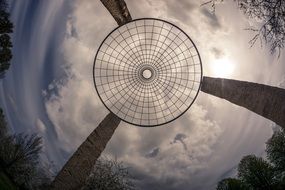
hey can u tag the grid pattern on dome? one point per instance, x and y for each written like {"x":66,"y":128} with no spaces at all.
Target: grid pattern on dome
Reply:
{"x":147,"y":72}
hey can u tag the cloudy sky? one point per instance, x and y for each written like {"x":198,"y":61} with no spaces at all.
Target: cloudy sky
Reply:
{"x":49,"y":90}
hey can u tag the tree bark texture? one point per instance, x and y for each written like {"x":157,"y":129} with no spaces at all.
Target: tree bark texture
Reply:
{"x":267,"y":101}
{"x":118,"y":10}
{"x":74,"y":173}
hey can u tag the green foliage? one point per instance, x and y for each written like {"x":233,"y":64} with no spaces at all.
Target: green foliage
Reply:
{"x":256,"y":172}
{"x":276,"y":150}
{"x":230,"y":184}
{"x":3,"y":5}
{"x":3,"y":124}
{"x":276,"y":155}
{"x":5,"y":55}
{"x":5,"y":183}
{"x":19,"y":155}
{"x":19,"y":160}
{"x":6,"y":27}
{"x":109,"y":174}
{"x":5,"y":41}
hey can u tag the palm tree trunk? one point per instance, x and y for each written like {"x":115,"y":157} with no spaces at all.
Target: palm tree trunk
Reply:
{"x":75,"y":172}
{"x":118,"y":10}
{"x":267,"y":101}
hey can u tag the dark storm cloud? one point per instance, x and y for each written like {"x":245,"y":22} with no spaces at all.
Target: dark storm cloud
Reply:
{"x":153,"y":153}
{"x":218,"y":53}
{"x":211,"y":18}
{"x":180,"y":137}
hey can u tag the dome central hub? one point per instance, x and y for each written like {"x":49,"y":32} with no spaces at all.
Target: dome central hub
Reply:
{"x":147,"y":74}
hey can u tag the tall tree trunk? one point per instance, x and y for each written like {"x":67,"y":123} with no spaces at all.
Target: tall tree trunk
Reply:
{"x":75,"y":172}
{"x":118,"y":10}
{"x":267,"y":101}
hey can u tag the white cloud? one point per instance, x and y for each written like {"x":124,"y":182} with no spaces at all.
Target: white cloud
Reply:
{"x":40,"y":126}
{"x":131,"y":144}
{"x":76,"y":110}
{"x":210,"y":124}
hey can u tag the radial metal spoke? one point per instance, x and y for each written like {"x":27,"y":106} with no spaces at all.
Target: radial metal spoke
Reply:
{"x":147,"y":72}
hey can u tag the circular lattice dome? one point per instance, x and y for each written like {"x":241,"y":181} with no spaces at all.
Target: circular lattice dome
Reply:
{"x":147,"y":72}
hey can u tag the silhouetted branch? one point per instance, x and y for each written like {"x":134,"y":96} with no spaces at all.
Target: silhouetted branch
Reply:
{"x":271,"y":13}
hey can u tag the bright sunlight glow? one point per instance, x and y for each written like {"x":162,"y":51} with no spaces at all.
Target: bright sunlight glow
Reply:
{"x":222,"y":67}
